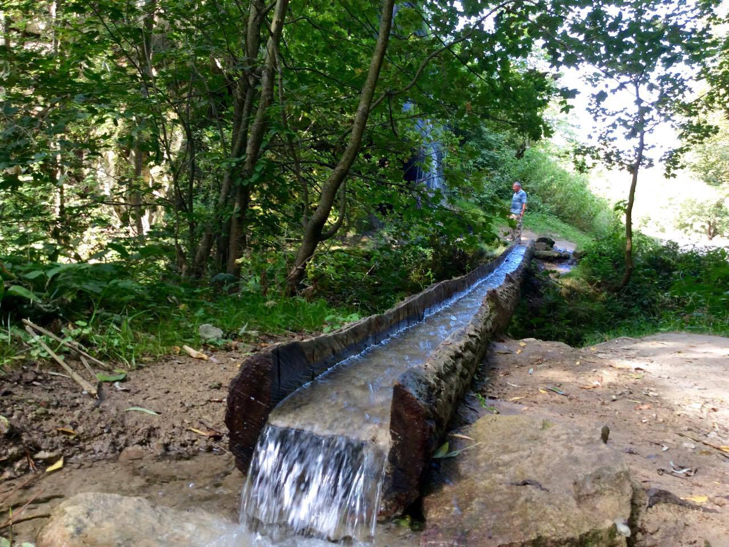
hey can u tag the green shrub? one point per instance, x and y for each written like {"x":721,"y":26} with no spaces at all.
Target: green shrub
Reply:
{"x":556,"y":190}
{"x":671,"y":289}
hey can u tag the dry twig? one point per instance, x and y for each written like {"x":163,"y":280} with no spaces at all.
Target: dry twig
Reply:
{"x":714,"y":446}
{"x":75,"y":346}
{"x":80,"y":381}
{"x":11,"y":521}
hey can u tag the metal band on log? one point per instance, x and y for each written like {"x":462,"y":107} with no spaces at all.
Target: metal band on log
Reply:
{"x":424,"y":397}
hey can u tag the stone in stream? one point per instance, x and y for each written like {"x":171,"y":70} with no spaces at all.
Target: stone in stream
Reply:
{"x":544,"y":243}
{"x":552,"y":255}
{"x":100,"y":520}
{"x":528,"y":481}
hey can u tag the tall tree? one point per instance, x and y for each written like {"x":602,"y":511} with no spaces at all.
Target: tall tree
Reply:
{"x":642,"y":57}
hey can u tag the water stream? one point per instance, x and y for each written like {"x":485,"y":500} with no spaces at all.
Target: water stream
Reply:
{"x":318,"y":467}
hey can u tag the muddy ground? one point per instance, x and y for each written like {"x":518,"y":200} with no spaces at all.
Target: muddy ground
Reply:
{"x":664,"y":398}
{"x":51,"y":417}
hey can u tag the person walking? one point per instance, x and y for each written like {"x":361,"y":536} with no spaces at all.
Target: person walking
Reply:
{"x":518,"y":206}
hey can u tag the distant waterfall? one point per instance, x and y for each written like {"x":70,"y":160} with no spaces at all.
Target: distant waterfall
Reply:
{"x":426,"y":166}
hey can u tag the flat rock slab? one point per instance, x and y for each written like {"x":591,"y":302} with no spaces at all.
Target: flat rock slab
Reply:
{"x":96,"y":520}
{"x":528,"y":481}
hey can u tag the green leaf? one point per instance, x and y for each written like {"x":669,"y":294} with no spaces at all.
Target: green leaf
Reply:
{"x":111,"y":378}
{"x":140,"y":409}
{"x":53,"y":271}
{"x":442,"y":451}
{"x":34,"y":274}
{"x":17,"y":290}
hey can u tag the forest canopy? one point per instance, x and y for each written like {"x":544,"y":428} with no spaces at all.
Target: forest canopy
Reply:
{"x":355,"y":151}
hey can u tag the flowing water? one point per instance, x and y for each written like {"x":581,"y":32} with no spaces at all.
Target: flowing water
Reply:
{"x":319,"y":464}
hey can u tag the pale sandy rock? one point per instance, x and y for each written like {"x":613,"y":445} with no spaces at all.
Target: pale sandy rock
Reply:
{"x":526,"y":482}
{"x":108,"y":520}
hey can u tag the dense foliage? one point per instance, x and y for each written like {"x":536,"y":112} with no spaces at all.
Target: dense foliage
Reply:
{"x":165,"y":163}
{"x":672,"y":289}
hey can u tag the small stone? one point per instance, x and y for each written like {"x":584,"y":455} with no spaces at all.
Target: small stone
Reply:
{"x":215,"y":385}
{"x":45,"y":456}
{"x":209,"y":332}
{"x":721,"y":502}
{"x":160,"y":448}
{"x":605,"y":434}
{"x":13,"y":454}
{"x":622,"y":528}
{"x":131,"y":453}
{"x":5,"y":427}
{"x":29,"y":377}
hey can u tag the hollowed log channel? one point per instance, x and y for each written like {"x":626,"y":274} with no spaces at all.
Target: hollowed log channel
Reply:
{"x":395,"y":397}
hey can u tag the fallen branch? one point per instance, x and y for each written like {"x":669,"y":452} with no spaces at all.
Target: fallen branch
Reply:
{"x":88,"y":367}
{"x":11,"y":521}
{"x":75,"y":346}
{"x":17,"y":487}
{"x":76,"y":378}
{"x":25,"y":519}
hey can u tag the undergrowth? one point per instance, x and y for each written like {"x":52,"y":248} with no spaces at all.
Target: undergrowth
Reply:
{"x":123,"y":315}
{"x":127,"y":310}
{"x":670,"y":290}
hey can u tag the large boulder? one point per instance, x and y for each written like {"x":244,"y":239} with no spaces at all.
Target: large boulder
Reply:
{"x":523,"y":481}
{"x":544,"y":243}
{"x":95,"y":520}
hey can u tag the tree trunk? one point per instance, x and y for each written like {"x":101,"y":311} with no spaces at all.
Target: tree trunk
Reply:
{"x":629,"y":265}
{"x":255,"y":139}
{"x":315,"y":225}
{"x":135,"y":194}
{"x":243,"y":100}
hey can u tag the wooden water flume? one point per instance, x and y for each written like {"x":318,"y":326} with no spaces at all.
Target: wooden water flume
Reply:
{"x":330,"y":458}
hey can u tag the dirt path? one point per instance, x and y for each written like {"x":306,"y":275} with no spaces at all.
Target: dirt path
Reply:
{"x":665,"y":399}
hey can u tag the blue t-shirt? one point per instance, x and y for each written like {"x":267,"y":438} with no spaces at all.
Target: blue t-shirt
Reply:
{"x":517,"y":202}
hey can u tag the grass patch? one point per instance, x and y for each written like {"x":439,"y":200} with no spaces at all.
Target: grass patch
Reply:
{"x":549,"y":225}
{"x":154,"y":329}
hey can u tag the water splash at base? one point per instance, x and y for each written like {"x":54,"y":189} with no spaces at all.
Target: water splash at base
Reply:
{"x":327,"y":487}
